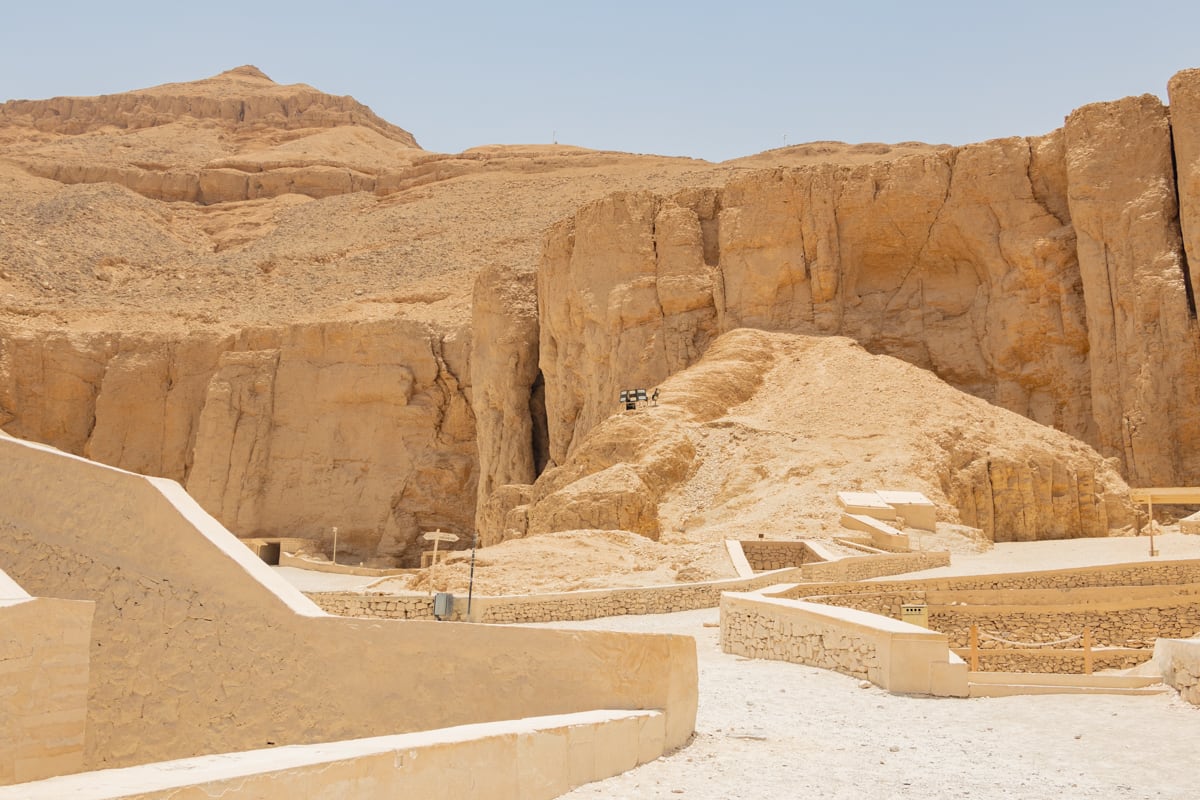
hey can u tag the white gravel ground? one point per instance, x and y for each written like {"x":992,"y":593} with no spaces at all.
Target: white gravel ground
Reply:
{"x":769,"y":730}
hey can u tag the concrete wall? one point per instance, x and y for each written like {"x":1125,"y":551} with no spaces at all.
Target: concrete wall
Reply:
{"x":531,"y":759}
{"x":198,"y":647}
{"x":43,"y":683}
{"x":894,"y":655}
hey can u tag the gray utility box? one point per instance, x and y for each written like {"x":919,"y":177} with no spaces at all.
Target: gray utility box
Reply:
{"x":443,"y":605}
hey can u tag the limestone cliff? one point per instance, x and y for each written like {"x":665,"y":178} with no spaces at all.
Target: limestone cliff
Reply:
{"x":303,"y":363}
{"x":1045,"y":275}
{"x":275,"y":431}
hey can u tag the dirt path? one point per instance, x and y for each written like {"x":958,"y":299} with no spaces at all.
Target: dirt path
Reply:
{"x":771,"y":730}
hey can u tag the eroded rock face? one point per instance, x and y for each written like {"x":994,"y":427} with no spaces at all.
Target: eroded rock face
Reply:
{"x":762,"y":432}
{"x":275,"y":431}
{"x":963,"y":261}
{"x":1184,"y":92}
{"x":504,"y":370}
{"x":1142,"y":335}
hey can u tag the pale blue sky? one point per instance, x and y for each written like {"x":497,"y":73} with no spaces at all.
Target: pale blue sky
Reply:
{"x":706,"y":79}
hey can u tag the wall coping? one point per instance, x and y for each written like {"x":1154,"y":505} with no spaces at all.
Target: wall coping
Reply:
{"x":168,"y":776}
{"x":852,"y":616}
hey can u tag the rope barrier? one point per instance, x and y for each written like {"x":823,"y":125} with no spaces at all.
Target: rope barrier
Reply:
{"x":1068,"y":640}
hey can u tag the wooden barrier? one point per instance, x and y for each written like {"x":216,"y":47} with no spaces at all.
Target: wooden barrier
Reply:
{"x":973,"y":651}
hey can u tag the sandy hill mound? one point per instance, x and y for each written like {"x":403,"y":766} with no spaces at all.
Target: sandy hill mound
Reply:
{"x":761,"y":434}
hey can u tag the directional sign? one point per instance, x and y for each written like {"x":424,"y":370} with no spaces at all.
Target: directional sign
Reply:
{"x":441,"y":536}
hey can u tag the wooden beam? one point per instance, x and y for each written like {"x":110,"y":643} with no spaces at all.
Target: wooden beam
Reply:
{"x":1168,"y":495}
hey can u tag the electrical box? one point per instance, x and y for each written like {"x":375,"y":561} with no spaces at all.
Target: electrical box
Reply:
{"x":443,"y":605}
{"x":915,"y":614}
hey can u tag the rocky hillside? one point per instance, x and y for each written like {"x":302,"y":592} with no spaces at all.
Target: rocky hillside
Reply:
{"x":1046,"y":275}
{"x":278,"y":299}
{"x":765,"y":428}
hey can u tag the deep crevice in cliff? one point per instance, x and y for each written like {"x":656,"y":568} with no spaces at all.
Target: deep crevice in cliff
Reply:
{"x":1183,"y":254}
{"x":540,"y":429}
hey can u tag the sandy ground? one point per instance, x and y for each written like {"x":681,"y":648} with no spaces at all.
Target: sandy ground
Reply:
{"x":1067,"y":553}
{"x":308,"y":580}
{"x":770,"y":730}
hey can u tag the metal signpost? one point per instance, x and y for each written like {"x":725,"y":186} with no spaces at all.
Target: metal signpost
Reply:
{"x":437,"y":537}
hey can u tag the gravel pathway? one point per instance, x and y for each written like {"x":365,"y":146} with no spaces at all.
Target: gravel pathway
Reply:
{"x":770,"y":730}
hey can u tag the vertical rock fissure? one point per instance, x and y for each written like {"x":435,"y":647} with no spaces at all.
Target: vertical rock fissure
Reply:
{"x":1189,"y":292}
{"x":539,"y":434}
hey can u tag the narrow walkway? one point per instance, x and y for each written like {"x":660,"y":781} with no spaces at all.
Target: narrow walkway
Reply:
{"x":1064,"y":554}
{"x":769,"y":730}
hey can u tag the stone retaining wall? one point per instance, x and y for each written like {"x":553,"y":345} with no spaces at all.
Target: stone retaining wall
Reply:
{"x":588,"y":604}
{"x":751,"y":633}
{"x":1111,"y":626}
{"x":1056,"y":662}
{"x":857,"y":568}
{"x":886,"y":604}
{"x":1138,"y":574}
{"x":764,"y":554}
{"x":374,"y":606}
{"x":891,"y":654}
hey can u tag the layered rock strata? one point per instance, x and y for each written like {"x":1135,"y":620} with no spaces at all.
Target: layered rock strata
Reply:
{"x":1045,"y":275}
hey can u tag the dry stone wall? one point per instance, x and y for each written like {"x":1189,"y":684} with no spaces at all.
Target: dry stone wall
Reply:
{"x":749,"y":633}
{"x":1111,"y":624}
{"x":858,"y":568}
{"x":1146,"y":573}
{"x":593,"y":604}
{"x":1072,"y":663}
{"x":588,"y":604}
{"x":766,"y":555}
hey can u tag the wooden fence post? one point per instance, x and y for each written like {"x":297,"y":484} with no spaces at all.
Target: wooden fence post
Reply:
{"x":1087,"y":651}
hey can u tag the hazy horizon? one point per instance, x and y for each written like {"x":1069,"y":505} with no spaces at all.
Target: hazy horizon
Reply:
{"x":700,"y":79}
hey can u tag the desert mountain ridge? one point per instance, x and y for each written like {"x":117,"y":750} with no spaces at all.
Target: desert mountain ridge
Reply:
{"x":280,"y":300}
